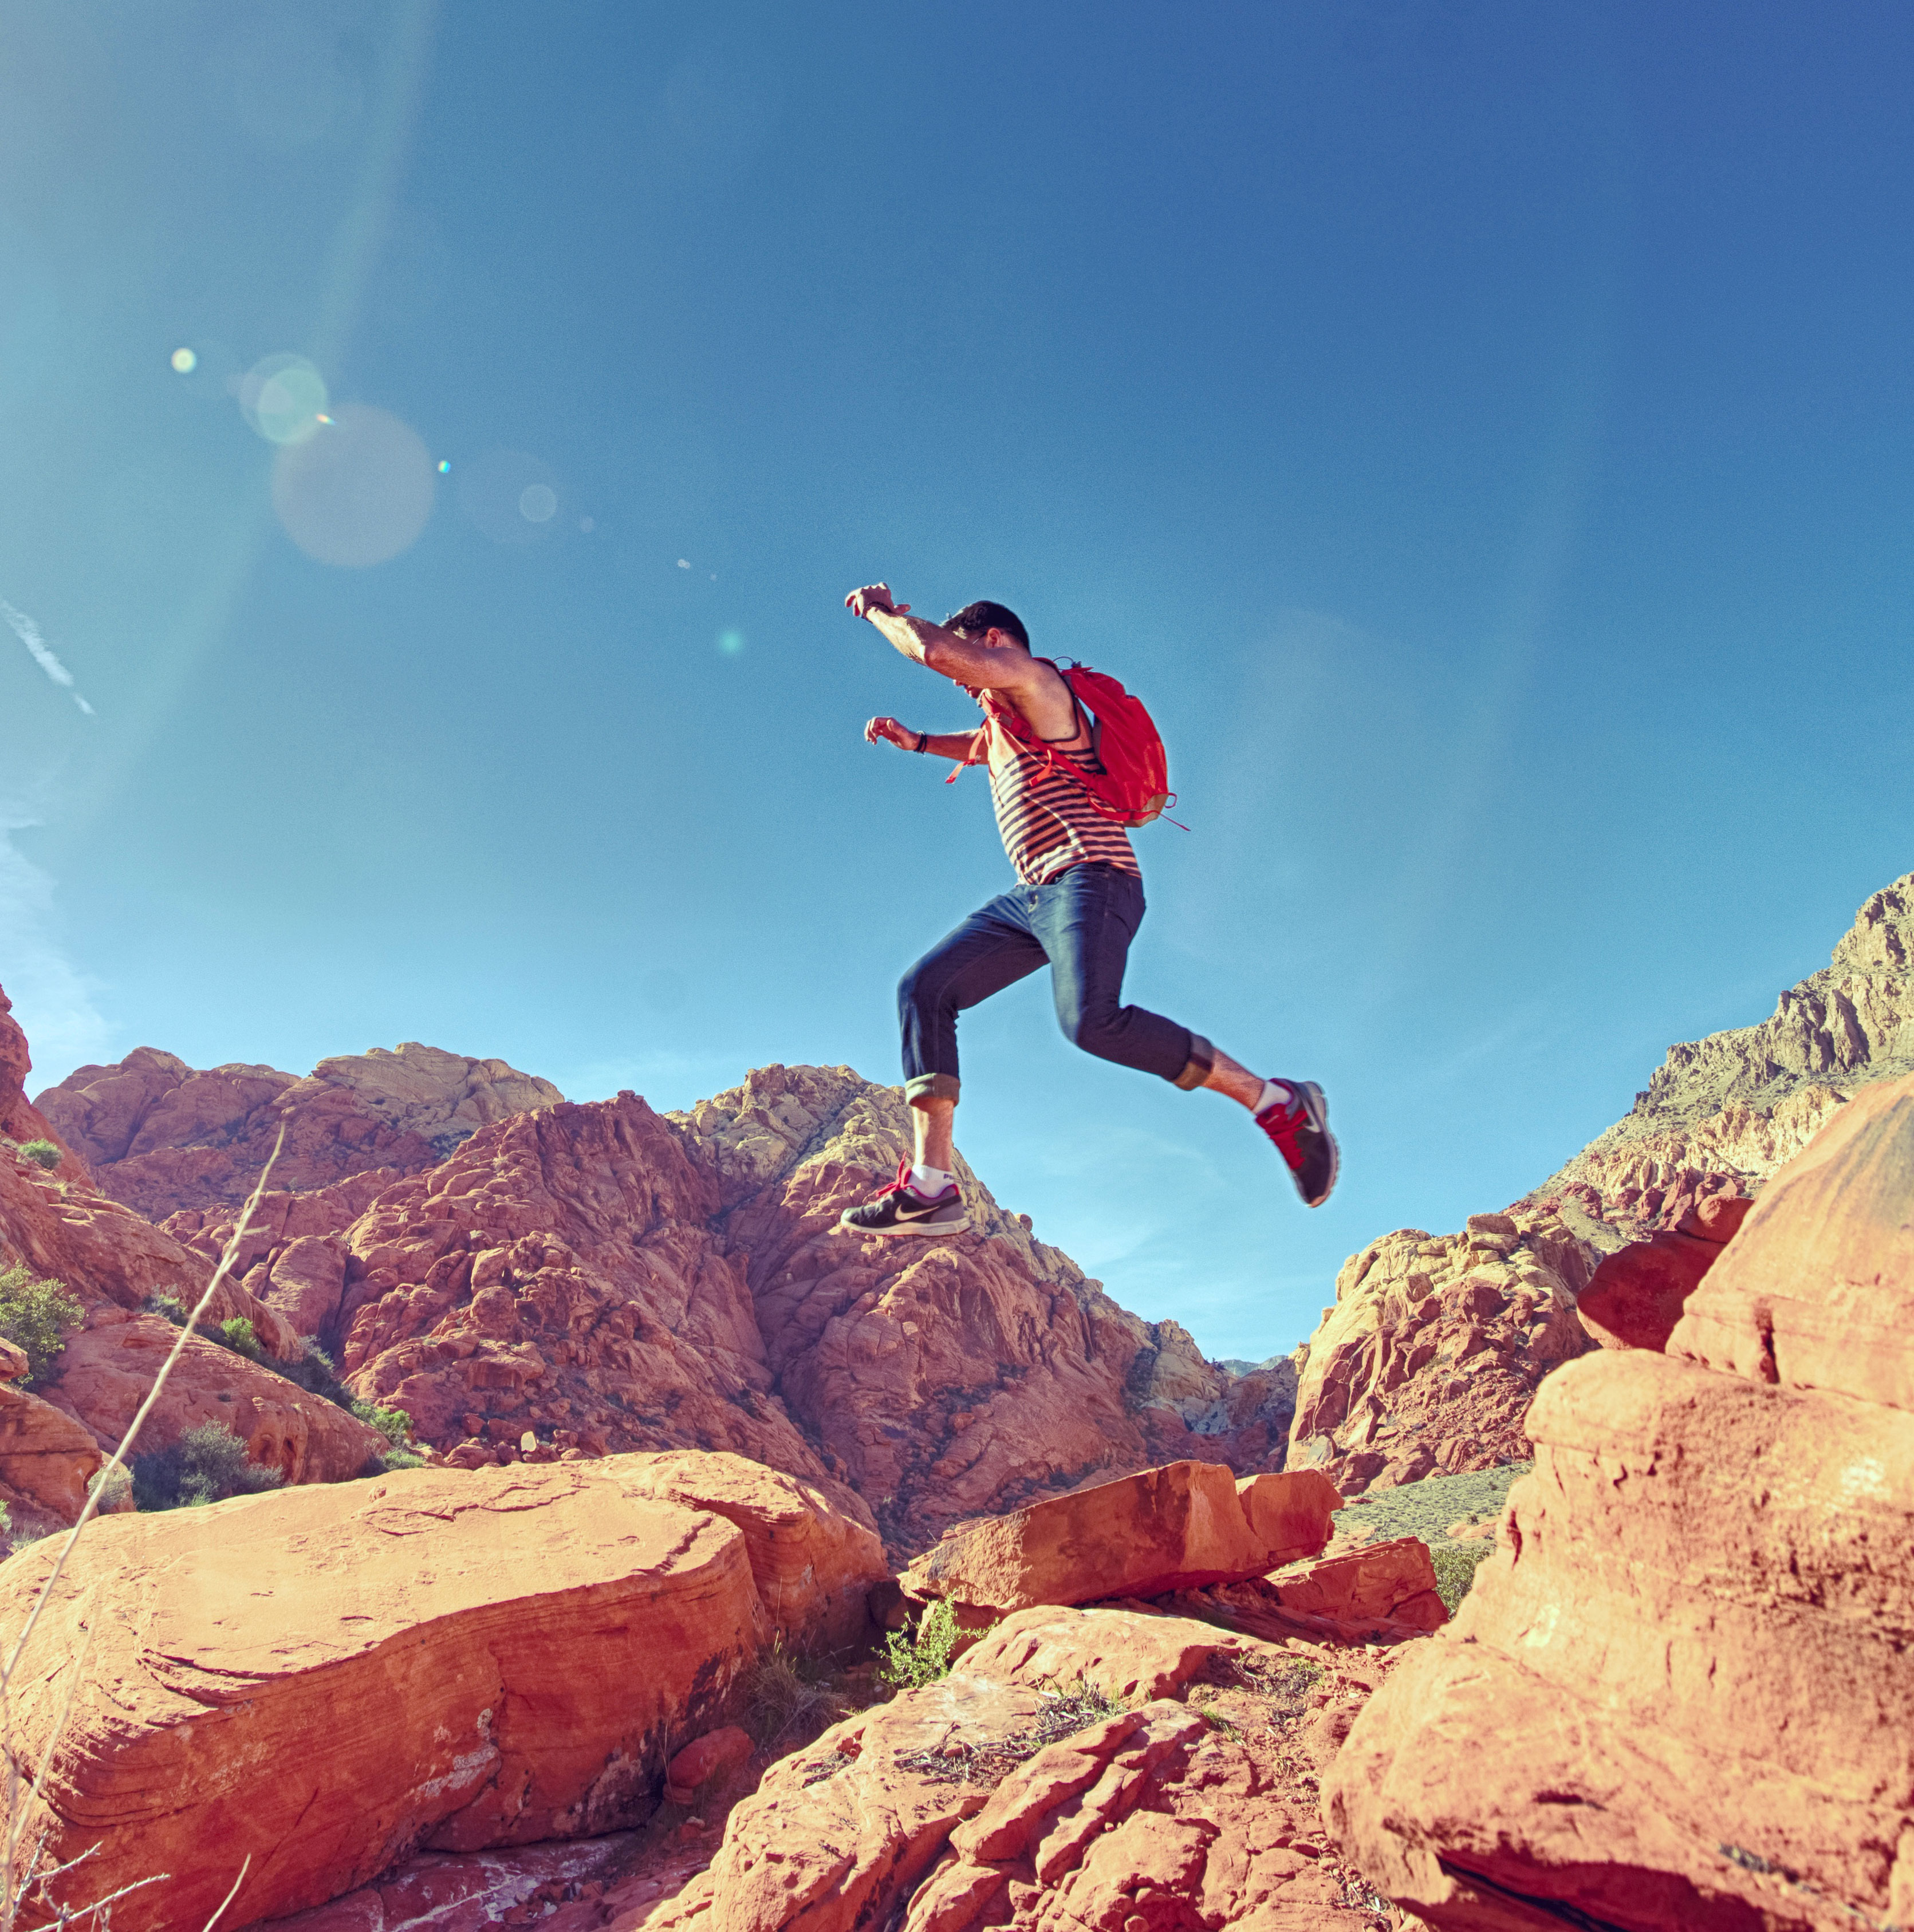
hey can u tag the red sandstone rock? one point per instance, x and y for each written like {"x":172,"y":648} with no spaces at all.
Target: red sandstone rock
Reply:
{"x":608,"y":1279}
{"x":20,"y":1120}
{"x":1428,"y":1360}
{"x":1394,"y":1581}
{"x":1817,"y":1289}
{"x":111,"y":1261}
{"x":164,"y":1137}
{"x":814,"y":1565}
{"x":1152,"y":1817}
{"x":1132,"y":1655}
{"x":1175,"y":1528}
{"x":46,"y":1457}
{"x":1678,"y":1695}
{"x":108,"y":1367}
{"x":1636,"y":1295}
{"x":705,"y":1761}
{"x":441,"y":1659}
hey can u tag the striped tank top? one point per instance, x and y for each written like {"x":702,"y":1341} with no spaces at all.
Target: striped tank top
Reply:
{"x":1047,"y":821}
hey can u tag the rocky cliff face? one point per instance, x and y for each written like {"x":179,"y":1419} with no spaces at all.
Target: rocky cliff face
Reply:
{"x":601,"y":1278}
{"x":163,"y":1136}
{"x":1722,"y":1113}
{"x":1435,"y":1345}
{"x":1434,"y":1348}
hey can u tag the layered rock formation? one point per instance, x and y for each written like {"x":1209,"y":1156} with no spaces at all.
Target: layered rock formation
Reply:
{"x":163,"y":1136}
{"x":601,"y":1277}
{"x":326,"y":1679}
{"x":1679,"y":1695}
{"x":1434,"y":1348}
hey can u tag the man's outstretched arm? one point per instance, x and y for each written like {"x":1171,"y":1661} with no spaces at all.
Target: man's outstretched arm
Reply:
{"x":965,"y":661}
{"x":955,"y":744}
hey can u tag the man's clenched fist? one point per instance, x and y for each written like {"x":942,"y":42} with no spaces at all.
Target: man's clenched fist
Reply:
{"x":889,"y":730}
{"x":873,"y":597}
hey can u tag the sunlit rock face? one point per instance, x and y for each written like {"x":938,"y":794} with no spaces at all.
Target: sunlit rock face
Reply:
{"x":164,"y":1137}
{"x":1679,"y":1696}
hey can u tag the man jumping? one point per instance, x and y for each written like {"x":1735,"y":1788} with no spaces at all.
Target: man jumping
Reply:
{"x":1077,"y":906}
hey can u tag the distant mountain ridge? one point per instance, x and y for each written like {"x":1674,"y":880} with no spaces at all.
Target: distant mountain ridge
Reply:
{"x":1734,"y":1106}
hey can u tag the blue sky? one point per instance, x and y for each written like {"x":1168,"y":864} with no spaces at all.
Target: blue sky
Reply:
{"x":1481,"y":433}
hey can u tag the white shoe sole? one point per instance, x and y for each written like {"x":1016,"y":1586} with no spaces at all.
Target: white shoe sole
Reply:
{"x":919,"y":1230}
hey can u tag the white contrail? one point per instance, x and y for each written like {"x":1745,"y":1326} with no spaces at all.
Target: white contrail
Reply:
{"x":28,"y":631}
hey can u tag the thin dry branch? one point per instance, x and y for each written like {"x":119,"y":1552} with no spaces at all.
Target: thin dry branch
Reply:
{"x":244,"y":1863}
{"x":11,"y":1895}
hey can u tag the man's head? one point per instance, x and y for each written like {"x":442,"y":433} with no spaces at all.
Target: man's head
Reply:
{"x":977,"y":619}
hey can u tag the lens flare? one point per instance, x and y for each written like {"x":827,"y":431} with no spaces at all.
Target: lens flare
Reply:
{"x":730,"y":642}
{"x":283,"y":398}
{"x":184,"y":361}
{"x":358,"y":495}
{"x":512,"y":496}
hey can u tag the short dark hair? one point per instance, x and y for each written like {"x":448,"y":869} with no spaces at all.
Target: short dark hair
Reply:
{"x":984,"y":616}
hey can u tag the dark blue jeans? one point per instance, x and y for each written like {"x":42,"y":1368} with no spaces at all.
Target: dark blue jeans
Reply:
{"x":1080,"y":924}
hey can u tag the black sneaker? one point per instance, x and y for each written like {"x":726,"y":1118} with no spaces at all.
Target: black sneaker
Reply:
{"x":1301,"y":1131}
{"x":900,"y":1210}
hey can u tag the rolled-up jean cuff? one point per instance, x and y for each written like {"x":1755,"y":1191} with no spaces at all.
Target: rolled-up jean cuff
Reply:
{"x":1202,"y":1059}
{"x":931,"y":1087}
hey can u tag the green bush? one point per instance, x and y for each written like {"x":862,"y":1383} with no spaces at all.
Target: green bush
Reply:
{"x":239,"y":1334}
{"x":170,"y":1306}
{"x":33,"y":1315}
{"x":922,"y":1656}
{"x":394,"y":1424}
{"x":43,"y":1154}
{"x":206,"y":1464}
{"x":1455,"y":1568}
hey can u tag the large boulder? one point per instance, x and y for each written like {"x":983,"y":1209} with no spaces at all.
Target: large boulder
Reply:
{"x":1176,"y":1528}
{"x":1678,"y":1695}
{"x":329,"y":1678}
{"x":814,"y":1563}
{"x":1638,"y":1293}
{"x":1817,"y":1291}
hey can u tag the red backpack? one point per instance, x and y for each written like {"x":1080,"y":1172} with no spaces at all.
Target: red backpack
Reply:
{"x":1133,"y":787}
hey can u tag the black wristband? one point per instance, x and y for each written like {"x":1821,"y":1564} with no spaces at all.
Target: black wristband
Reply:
{"x":923,"y":738}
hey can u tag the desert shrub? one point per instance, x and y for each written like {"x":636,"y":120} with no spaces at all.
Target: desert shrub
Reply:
{"x":1455,"y":1568}
{"x":315,"y":1374}
{"x":781,"y":1689}
{"x":34,"y":1316}
{"x":111,"y":1486}
{"x":206,"y":1464}
{"x":237,"y":1333}
{"x":387,"y":1460}
{"x":42,"y":1153}
{"x":170,"y":1306}
{"x":922,"y":1656}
